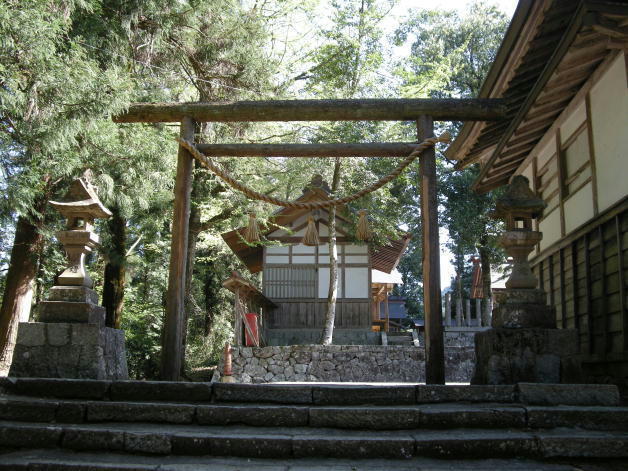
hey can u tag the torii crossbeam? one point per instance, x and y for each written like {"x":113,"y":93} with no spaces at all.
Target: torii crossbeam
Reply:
{"x":422,"y":111}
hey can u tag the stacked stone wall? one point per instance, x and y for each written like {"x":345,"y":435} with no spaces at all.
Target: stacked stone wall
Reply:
{"x":344,"y":363}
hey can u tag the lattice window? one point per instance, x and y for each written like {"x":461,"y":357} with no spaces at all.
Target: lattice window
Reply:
{"x":296,"y":281}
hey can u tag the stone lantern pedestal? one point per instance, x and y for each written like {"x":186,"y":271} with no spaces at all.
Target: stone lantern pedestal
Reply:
{"x":524,"y":344}
{"x":71,"y":340}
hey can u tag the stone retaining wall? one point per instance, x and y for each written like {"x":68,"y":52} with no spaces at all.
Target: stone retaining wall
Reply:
{"x":344,"y":363}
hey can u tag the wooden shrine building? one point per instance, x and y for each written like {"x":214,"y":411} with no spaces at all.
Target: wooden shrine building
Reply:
{"x":562,"y":69}
{"x":295,"y":277}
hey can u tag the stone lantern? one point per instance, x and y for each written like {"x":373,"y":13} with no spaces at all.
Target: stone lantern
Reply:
{"x":517,"y":207}
{"x":80,"y":210}
{"x":524,"y":344}
{"x":71,"y":339}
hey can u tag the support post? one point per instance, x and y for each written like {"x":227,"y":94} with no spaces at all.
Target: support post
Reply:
{"x":478,"y":312}
{"x":434,"y":342}
{"x":386,"y":310}
{"x":448,"y":309}
{"x":172,"y":349}
{"x":468,"y":306}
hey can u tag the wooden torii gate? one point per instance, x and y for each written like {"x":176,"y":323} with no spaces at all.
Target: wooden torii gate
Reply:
{"x":422,"y":111}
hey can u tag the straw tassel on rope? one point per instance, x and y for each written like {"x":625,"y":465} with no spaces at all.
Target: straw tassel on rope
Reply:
{"x":251,"y":234}
{"x":311,"y":235}
{"x":363,"y":231}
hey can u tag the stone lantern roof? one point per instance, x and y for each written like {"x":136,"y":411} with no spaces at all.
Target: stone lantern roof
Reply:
{"x":81,"y":200}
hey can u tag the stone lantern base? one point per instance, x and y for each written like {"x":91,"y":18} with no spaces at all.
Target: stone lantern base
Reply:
{"x":526,"y":355}
{"x":524,"y":345}
{"x":71,"y":341}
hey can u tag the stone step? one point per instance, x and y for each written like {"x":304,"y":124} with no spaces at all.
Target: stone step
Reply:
{"x":311,"y":393}
{"x":270,"y":442}
{"x":63,"y":460}
{"x":426,"y":416}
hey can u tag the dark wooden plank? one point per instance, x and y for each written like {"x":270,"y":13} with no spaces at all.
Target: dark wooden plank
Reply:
{"x":561,"y":277}
{"x":371,"y":149}
{"x":574,"y":280}
{"x":387,"y":109}
{"x":172,"y":348}
{"x":589,"y":301}
{"x":603,"y":309}
{"x":434,"y":343}
{"x":622,"y":281}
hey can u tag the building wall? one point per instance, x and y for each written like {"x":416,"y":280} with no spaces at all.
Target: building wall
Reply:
{"x":580,"y":168}
{"x":296,"y":278}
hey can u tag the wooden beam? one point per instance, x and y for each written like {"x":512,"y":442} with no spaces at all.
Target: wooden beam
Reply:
{"x":172,"y":348}
{"x":374,"y":149}
{"x":390,"y":109}
{"x":434,"y":342}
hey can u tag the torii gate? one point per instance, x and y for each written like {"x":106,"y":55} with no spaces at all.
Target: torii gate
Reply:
{"x":423,"y":111}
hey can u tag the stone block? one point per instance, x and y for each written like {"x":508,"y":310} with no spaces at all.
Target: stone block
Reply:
{"x":563,"y":444}
{"x":29,"y":436}
{"x":84,"y":438}
{"x":269,"y":416}
{"x":521,"y":315}
{"x":143,"y":442}
{"x":398,"y":418}
{"x":476,"y":444}
{"x":27,"y":410}
{"x":568,"y":394}
{"x":468,"y":416}
{"x":31,"y":334}
{"x":58,"y":334}
{"x":387,"y":395}
{"x":160,"y":391}
{"x":63,"y":311}
{"x":472,"y":393}
{"x":190,"y":444}
{"x":586,"y":417}
{"x":271,"y":393}
{"x":140,"y":412}
{"x":74,"y":294}
{"x":252,"y":446}
{"x":509,"y":356}
{"x":62,"y":388}
{"x":70,"y":413}
{"x":344,"y":445}
{"x":86,"y":334}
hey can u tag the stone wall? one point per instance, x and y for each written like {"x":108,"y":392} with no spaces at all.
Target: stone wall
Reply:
{"x":343,"y":363}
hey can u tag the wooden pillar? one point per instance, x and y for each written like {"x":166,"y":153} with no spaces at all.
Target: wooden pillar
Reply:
{"x":237,"y":319}
{"x":468,"y":306}
{"x":386,"y":310}
{"x":172,"y":349}
{"x":434,"y":343}
{"x":448,"y":309}
{"x":478,"y":312}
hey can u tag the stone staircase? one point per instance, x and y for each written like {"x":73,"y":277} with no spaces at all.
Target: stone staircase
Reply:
{"x":400,"y":338}
{"x":87,"y":424}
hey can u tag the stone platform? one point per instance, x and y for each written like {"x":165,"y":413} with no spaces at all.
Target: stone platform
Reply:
{"x":71,"y":342}
{"x":509,"y":356}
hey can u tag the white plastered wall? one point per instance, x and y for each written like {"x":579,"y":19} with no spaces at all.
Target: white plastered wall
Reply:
{"x":609,"y":117}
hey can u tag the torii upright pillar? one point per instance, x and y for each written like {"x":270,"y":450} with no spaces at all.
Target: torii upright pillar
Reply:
{"x":172,"y":341}
{"x":434,"y":343}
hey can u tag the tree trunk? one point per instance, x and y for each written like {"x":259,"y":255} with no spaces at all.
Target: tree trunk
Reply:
{"x":18,"y":292}
{"x":485,"y":263}
{"x":115,"y":271}
{"x":330,"y":315}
